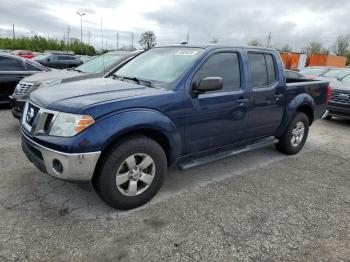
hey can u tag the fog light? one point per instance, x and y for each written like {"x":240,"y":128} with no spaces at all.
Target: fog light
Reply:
{"x":57,"y":167}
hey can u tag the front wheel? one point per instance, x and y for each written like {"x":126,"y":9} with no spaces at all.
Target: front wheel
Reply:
{"x":294,"y":138}
{"x":131,"y":172}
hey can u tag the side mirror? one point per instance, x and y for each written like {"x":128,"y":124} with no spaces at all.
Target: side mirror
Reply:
{"x":48,"y":60}
{"x":210,"y":84}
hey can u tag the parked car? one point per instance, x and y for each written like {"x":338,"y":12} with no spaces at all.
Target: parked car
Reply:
{"x":188,"y":105}
{"x":58,"y":61}
{"x":24,"y":53}
{"x":334,"y":75}
{"x":313,"y":72}
{"x":12,"y":70}
{"x":101,"y":66}
{"x":293,"y":75}
{"x":339,"y":103}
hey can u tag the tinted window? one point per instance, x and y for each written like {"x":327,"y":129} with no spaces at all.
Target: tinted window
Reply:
{"x":292,"y":75}
{"x":262,"y":69}
{"x":65,"y":57}
{"x":271,"y":73}
{"x":31,"y":67}
{"x":258,"y":72}
{"x":225,"y":65}
{"x":10,"y":64}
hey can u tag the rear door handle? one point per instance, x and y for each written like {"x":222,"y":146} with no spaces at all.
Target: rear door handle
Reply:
{"x":278,"y":96}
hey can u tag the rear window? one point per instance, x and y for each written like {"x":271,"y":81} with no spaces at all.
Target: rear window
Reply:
{"x":262,"y":69}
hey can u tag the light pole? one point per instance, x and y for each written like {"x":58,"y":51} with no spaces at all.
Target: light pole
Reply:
{"x":81,"y":26}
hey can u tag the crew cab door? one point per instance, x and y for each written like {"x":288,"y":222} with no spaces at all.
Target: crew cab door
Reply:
{"x":267,"y":101}
{"x":218,"y":118}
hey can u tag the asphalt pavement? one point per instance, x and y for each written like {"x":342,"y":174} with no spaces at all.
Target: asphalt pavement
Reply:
{"x":258,"y":206}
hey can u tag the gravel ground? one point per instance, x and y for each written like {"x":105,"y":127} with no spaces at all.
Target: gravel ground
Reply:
{"x":258,"y":206}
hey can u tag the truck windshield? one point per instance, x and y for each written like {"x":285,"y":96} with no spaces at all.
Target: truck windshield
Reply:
{"x":101,"y":63}
{"x":346,"y":79}
{"x":339,"y":73}
{"x":312,"y":71}
{"x":160,"y":66}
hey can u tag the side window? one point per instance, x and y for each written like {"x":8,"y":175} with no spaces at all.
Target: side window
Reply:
{"x":225,"y":65}
{"x":31,"y":67}
{"x":271,"y":73}
{"x":262,"y":69}
{"x":65,"y":57}
{"x":10,"y":64}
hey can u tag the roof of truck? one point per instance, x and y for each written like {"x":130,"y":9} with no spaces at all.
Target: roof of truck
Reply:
{"x":214,"y":46}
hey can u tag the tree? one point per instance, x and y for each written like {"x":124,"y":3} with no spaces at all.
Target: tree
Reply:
{"x":214,"y":40}
{"x":341,"y":45}
{"x":148,"y":40}
{"x":315,"y":48}
{"x":254,"y":42}
{"x":286,"y":48}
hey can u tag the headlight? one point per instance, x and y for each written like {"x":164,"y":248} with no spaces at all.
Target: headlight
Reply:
{"x":50,"y":83}
{"x":68,"y":125}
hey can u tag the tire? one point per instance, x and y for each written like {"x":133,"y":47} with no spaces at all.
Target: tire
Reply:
{"x":285,"y":144}
{"x":117,"y":164}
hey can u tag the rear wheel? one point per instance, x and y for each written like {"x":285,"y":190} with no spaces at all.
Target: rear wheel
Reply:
{"x":131,"y":172}
{"x":294,"y":138}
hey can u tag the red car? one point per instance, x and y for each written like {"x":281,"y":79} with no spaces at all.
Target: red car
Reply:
{"x":24,"y":53}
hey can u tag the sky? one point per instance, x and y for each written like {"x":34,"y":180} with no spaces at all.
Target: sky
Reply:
{"x":296,"y":22}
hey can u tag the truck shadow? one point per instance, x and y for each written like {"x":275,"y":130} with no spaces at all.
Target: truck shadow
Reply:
{"x":80,"y":199}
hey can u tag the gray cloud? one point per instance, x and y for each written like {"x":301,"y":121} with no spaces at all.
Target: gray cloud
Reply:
{"x":231,"y":21}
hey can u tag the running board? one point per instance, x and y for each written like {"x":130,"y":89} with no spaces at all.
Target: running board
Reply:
{"x":199,"y":161}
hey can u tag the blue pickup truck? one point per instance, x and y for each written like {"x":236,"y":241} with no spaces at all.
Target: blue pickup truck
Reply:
{"x":184,"y":105}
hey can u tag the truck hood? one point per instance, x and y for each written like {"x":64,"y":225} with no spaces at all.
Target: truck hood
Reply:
{"x":72,"y":97}
{"x":64,"y":75}
{"x":341,"y":86}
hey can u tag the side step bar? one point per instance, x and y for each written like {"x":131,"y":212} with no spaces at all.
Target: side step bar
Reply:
{"x":199,"y":161}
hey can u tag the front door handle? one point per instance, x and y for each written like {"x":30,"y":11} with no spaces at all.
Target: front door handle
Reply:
{"x":241,"y":101}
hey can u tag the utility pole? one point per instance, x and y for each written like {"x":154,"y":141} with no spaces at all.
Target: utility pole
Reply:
{"x":117,"y":41}
{"x":269,"y":40}
{"x":68,"y":32}
{"x":188,"y":37}
{"x":13,"y":31}
{"x":89,"y":34}
{"x":101,"y":34}
{"x":81,"y":26}
{"x":132,"y":41}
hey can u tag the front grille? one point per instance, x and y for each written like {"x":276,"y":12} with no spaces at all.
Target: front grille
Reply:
{"x":23,"y":88}
{"x":37,"y":120}
{"x":31,"y":114}
{"x":339,"y":97}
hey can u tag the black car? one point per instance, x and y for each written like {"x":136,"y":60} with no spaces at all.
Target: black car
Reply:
{"x":12,"y":70}
{"x":339,"y":103}
{"x":59,"y":61}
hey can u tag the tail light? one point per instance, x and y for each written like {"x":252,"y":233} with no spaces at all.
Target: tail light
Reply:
{"x":329,"y":89}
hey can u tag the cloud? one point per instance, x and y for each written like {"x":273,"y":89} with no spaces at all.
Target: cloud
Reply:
{"x":295,"y":22}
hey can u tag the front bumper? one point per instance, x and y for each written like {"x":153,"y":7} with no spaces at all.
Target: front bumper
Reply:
{"x":73,"y":167}
{"x":339,"y":110}
{"x":17,"y":106}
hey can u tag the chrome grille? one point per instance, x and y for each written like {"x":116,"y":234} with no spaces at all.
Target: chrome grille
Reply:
{"x":37,"y":120}
{"x":339,"y":97}
{"x":23,"y":88}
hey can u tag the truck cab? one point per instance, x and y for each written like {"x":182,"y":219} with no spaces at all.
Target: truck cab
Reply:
{"x":185,"y":105}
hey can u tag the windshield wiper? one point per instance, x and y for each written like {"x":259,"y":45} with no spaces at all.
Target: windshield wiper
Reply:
{"x":135,"y":79}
